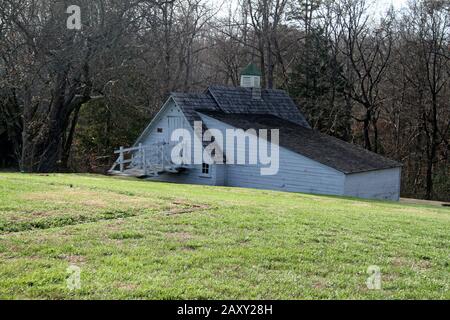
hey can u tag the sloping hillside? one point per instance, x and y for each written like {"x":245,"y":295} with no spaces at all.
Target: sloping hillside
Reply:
{"x":143,"y":240}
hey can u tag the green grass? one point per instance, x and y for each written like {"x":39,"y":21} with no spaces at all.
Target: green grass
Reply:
{"x":142,"y":240}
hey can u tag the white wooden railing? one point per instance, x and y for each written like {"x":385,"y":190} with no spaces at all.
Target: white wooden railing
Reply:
{"x":151,"y":159}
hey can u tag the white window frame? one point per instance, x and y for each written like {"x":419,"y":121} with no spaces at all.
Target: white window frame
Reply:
{"x":247,"y":81}
{"x":208,"y":173}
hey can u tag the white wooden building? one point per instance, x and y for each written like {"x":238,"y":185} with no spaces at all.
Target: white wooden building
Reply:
{"x":309,"y":161}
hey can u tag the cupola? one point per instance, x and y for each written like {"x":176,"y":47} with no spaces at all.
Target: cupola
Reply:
{"x":251,"y":77}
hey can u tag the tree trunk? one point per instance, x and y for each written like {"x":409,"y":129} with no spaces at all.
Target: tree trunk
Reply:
{"x":429,"y":179}
{"x":366,"y":130}
{"x":431,"y":155}
{"x":68,"y":143}
{"x":41,"y":150}
{"x":375,"y":135}
{"x":263,"y":63}
{"x":43,"y":133}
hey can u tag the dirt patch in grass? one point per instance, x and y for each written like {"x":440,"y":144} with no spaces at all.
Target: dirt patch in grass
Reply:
{"x":412,"y":264}
{"x":181,"y":207}
{"x":400,"y":262}
{"x":320,"y":283}
{"x":181,"y":202}
{"x":180,"y":236}
{"x":41,"y":214}
{"x":422,"y":265}
{"x":115,"y":226}
{"x":99,"y":203}
{"x":127,"y":286}
{"x":74,"y":259}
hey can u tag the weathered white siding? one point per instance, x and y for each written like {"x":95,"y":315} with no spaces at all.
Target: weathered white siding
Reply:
{"x":296,"y":172}
{"x":221,"y":172}
{"x":194,"y":173}
{"x":152,"y":135}
{"x":379,"y":184}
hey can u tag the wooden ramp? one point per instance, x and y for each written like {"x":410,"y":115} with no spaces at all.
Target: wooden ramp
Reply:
{"x":134,"y":172}
{"x":150,"y":172}
{"x":143,"y":162}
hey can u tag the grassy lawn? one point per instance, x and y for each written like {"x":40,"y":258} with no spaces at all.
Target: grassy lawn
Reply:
{"x":143,"y":240}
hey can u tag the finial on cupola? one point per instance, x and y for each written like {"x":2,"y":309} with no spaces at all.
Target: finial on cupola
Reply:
{"x":251,"y":77}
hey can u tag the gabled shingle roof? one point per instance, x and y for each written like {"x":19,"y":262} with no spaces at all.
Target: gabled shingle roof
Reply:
{"x":332,"y":152}
{"x":190,"y":102}
{"x":239,"y":100}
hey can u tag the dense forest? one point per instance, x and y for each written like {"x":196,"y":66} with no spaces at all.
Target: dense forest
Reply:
{"x":375,"y":78}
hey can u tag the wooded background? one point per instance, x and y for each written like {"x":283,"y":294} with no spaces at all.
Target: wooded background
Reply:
{"x":379,"y":79}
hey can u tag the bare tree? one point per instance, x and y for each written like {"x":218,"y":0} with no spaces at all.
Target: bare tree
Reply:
{"x":57,"y":64}
{"x":367,"y":53}
{"x":426,"y":60}
{"x":265,"y":17}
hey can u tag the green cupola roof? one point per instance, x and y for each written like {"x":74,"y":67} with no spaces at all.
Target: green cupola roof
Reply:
{"x":251,"y":70}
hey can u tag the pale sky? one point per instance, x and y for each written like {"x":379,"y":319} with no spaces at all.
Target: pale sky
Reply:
{"x":384,"y":4}
{"x":397,"y":3}
{"x":378,"y":6}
